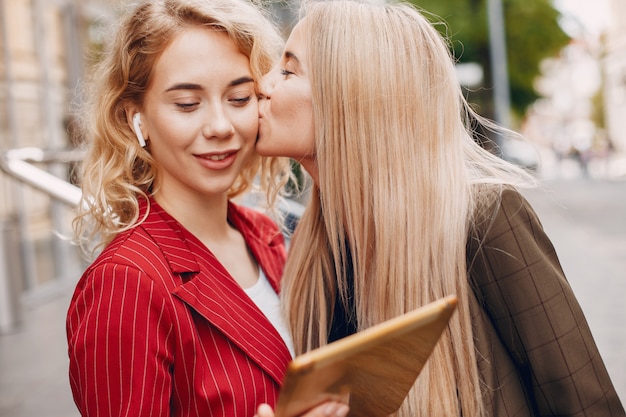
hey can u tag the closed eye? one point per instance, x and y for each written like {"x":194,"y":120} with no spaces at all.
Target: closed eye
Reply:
{"x":241,"y":101}
{"x":187,"y":106}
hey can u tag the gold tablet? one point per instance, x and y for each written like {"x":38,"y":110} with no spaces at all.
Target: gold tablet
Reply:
{"x":374,"y":368}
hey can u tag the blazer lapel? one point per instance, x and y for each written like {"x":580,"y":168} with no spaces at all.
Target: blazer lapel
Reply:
{"x":264,"y":240}
{"x":208,"y":288}
{"x":227,"y":307}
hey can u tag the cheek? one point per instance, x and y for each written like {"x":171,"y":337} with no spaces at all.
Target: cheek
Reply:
{"x":168,"y":128}
{"x":303,"y":125}
{"x":170,"y":133}
{"x":288,"y":127}
{"x":293,"y":111}
{"x":246,"y":122}
{"x":298,"y":132}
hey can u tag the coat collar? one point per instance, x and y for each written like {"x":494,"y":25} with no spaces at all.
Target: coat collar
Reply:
{"x":207,"y":287}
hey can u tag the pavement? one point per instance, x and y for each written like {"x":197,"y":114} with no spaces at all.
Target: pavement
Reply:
{"x":34,"y":362}
{"x":585,"y":218}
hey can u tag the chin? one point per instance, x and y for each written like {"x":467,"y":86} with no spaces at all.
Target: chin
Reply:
{"x":262,"y":148}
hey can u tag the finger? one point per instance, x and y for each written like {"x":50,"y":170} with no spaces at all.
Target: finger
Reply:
{"x":264,"y":410}
{"x":335,"y":409}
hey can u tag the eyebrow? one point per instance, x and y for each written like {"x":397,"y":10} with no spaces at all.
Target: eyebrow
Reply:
{"x":192,"y":86}
{"x":291,"y":55}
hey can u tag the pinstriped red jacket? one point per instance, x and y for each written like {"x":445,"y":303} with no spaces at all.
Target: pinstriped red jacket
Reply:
{"x":157,"y":327}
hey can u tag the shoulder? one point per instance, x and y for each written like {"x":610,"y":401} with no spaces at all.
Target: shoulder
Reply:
{"x":500,"y":210}
{"x":490,"y":198}
{"x":132,"y":264}
{"x":508,"y":245}
{"x":129,"y":248}
{"x":251,"y":215}
{"x":136,"y":254}
{"x":506,"y":234}
{"x":254,"y":221}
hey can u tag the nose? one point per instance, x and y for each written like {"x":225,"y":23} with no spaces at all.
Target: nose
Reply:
{"x":218,"y":124}
{"x":267,"y":84}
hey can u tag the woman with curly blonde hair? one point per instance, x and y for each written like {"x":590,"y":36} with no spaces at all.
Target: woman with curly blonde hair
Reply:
{"x":407,"y":208}
{"x":179,"y":313}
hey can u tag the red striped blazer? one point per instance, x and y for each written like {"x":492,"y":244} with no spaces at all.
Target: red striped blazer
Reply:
{"x":157,"y":327}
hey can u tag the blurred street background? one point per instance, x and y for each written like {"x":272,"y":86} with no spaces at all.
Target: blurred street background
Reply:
{"x":586,"y":220}
{"x":553,"y":70}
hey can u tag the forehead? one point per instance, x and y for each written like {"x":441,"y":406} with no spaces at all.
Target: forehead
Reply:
{"x":200,"y":54}
{"x":295,"y":43}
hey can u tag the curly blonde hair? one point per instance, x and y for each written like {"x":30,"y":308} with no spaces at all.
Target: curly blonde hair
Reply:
{"x":117,"y":171}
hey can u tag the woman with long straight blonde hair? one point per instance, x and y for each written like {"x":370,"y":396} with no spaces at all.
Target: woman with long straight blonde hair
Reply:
{"x":407,"y":208}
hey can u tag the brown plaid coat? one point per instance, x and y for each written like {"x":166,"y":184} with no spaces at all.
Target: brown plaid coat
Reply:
{"x":537,"y":356}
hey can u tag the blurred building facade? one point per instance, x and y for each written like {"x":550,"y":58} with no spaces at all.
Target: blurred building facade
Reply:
{"x":615,"y":76}
{"x":44,"y":44}
{"x":579,"y":123}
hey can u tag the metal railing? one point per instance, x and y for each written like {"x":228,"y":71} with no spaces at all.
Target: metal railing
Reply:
{"x":19,"y":164}
{"x":16,"y":260}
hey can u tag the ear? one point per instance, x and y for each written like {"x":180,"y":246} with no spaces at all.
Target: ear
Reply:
{"x":134,"y":120}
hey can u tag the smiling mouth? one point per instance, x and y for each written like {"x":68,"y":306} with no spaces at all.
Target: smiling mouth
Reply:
{"x":218,"y":161}
{"x":217,"y":157}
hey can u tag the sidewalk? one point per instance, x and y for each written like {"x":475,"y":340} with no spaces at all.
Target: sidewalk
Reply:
{"x":33,"y":365}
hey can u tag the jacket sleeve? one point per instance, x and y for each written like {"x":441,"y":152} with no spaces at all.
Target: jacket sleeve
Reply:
{"x":523,"y":288}
{"x":120,"y":347}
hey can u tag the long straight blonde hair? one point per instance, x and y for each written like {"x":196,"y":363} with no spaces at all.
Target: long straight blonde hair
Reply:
{"x":397,"y":168}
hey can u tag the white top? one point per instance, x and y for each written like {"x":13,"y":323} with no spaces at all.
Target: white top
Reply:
{"x":268,"y":302}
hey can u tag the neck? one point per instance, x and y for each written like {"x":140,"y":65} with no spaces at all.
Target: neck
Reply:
{"x":206,"y":217}
{"x":310,"y":165}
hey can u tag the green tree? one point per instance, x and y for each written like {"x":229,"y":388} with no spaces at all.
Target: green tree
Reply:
{"x":532,"y":34}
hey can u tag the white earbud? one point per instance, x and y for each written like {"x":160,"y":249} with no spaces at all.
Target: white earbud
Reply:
{"x":137,"y":126}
